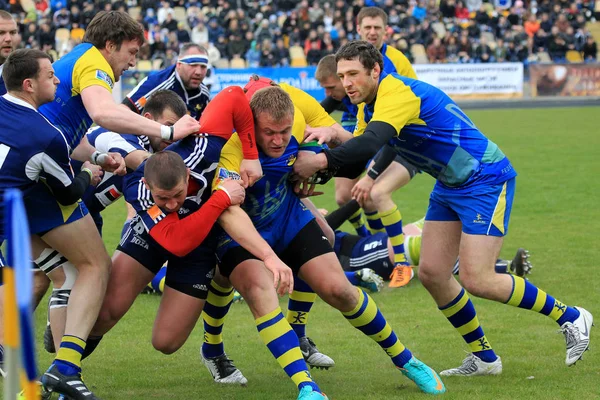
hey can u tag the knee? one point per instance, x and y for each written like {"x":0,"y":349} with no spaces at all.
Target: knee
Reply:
{"x":342,"y":296}
{"x":475,"y":283}
{"x":342,"y":197}
{"x":379,"y":194}
{"x":164,"y":344}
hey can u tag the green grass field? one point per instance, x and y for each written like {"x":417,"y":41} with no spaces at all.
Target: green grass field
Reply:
{"x":555,"y":216}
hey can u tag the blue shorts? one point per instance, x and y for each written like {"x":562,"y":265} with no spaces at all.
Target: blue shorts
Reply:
{"x":190,"y":274}
{"x":483,"y":209}
{"x":45,"y":213}
{"x":355,"y":253}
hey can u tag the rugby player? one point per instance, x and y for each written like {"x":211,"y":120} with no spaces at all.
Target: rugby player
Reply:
{"x":469,"y":207}
{"x":39,"y":165}
{"x":184,"y":78}
{"x":381,"y":211}
{"x":291,"y":230}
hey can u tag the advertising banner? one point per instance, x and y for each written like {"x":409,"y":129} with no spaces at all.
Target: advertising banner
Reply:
{"x":564,"y":80}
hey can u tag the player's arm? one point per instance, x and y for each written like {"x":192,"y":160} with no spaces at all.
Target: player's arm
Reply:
{"x":56,"y":167}
{"x":181,"y":236}
{"x":111,"y":142}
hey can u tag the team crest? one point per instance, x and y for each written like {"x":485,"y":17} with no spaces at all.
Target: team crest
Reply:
{"x":291,"y":160}
{"x":104,"y":77}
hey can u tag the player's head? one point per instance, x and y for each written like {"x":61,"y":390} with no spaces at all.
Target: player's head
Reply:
{"x":359,"y":65}
{"x":256,"y":83}
{"x":8,"y":35}
{"x":166,"y":176}
{"x":166,"y":108}
{"x":327,"y":76}
{"x":29,"y":73}
{"x":192,"y":65}
{"x":371,"y":23}
{"x":273,"y":112}
{"x":118,"y":37}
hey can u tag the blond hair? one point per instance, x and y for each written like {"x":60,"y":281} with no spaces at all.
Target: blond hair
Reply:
{"x":326,"y":68}
{"x":274,"y":101}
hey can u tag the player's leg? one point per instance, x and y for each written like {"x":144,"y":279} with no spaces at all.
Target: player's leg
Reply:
{"x":320,"y":268}
{"x":219,"y":299}
{"x":255,"y":283}
{"x":478,"y":254}
{"x":343,"y":194}
{"x":81,"y":244}
{"x":440,"y":246}
{"x":397,"y":175}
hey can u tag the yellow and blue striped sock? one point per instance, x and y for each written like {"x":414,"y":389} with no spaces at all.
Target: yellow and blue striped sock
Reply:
{"x":68,"y":357}
{"x":525,"y":295}
{"x":299,"y":305}
{"x":367,"y":318}
{"x":358,"y":222}
{"x":392,"y":222}
{"x":283,"y":343}
{"x":215,"y":310}
{"x":461,"y":314}
{"x":374,"y":222}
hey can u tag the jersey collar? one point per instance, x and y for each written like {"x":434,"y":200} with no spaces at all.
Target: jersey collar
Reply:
{"x":18,"y":101}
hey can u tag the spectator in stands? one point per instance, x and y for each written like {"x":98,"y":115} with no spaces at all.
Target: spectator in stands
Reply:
{"x":481,"y":16}
{"x":87,"y":14}
{"x":451,"y":49}
{"x":473,"y":5}
{"x":214,"y":30}
{"x":282,"y":54}
{"x":169,"y":23}
{"x":557,"y":46}
{"x":76,"y":16}
{"x":462,"y":12}
{"x":315,"y":54}
{"x":221,"y":45}
{"x":483,"y":52}
{"x":164,"y":10}
{"x":183,"y":35}
{"x":546,"y":23}
{"x":236,"y":47}
{"x":590,"y":49}
{"x":532,"y":25}
{"x":419,"y":12}
{"x":62,"y":18}
{"x":200,"y":33}
{"x":464,"y":49}
{"x":150,"y":18}
{"x":500,"y":51}
{"x":253,"y":55}
{"x":45,"y":36}
{"x":436,"y":53}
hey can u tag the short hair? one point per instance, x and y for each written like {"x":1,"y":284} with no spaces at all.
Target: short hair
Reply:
{"x":366,"y":53}
{"x":163,"y":99}
{"x":165,"y":170}
{"x":6,"y":15}
{"x":371,"y":12}
{"x":326,"y":68}
{"x":274,"y":101}
{"x":186,"y":46}
{"x":114,"y":26}
{"x":20,"y":65}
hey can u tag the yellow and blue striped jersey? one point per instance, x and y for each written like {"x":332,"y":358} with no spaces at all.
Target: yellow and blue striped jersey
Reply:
{"x":83,"y":67}
{"x":434,"y":134}
{"x":395,"y":61}
{"x":271,"y":191}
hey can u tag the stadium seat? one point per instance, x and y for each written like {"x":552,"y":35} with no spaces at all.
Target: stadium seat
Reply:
{"x":297,"y":52}
{"x":573,"y":56}
{"x":489,"y":36}
{"x":237,"y":62}
{"x":61,"y":37}
{"x":134,"y":12}
{"x":222,"y":63}
{"x":144,"y":65}
{"x":180,"y":16}
{"x":544,"y":57}
{"x":298,"y":62}
{"x":157,"y":64}
{"x":418,"y":50}
{"x":439,"y":28}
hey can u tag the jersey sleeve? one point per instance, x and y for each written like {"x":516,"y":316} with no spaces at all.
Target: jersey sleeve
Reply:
{"x":53,"y":164}
{"x":314,"y":114}
{"x":361,"y":124}
{"x":229,"y":161}
{"x":404,"y":67}
{"x":92,"y":69}
{"x":136,"y":99}
{"x":113,"y":142}
{"x":229,"y":111}
{"x":396,"y":104}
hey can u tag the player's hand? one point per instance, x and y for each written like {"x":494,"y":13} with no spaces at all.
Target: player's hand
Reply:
{"x":97,"y":172}
{"x":361,"y":191}
{"x":112,"y":162}
{"x":184,"y":127}
{"x":325,"y":134}
{"x":307,"y":164}
{"x":283,"y":278}
{"x":235,"y":190}
{"x":250,"y":172}
{"x":305,"y":189}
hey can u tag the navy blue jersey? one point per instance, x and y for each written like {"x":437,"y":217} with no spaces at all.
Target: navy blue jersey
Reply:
{"x":168,"y":79}
{"x":2,"y":86}
{"x":34,"y":154}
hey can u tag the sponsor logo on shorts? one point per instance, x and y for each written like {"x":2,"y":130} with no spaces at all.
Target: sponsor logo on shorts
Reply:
{"x":200,"y":287}
{"x":210,"y":274}
{"x":478,"y":220}
{"x":138,"y":241}
{"x":372,"y":245}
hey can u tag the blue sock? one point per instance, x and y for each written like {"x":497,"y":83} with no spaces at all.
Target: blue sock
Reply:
{"x":352,"y":277}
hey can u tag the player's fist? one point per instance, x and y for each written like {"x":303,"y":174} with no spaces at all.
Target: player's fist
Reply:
{"x":250,"y":172}
{"x":184,"y":127}
{"x":235,"y":190}
{"x":112,"y":162}
{"x":97,"y":172}
{"x":283,"y":277}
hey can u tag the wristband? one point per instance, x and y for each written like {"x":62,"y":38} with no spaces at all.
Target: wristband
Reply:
{"x":371,"y":173}
{"x":89,"y":171}
{"x":167,"y":132}
{"x":98,"y":158}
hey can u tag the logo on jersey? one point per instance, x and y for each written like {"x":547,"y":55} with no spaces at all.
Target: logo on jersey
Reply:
{"x":478,"y":220}
{"x":291,"y":160}
{"x":155,"y":213}
{"x":108,"y":195}
{"x":226,"y":174}
{"x":104,"y":77}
